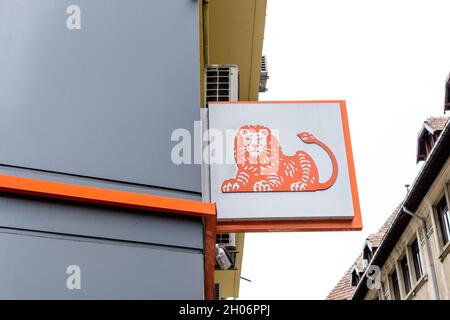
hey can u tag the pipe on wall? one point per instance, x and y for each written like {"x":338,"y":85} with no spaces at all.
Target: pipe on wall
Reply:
{"x":429,"y":255}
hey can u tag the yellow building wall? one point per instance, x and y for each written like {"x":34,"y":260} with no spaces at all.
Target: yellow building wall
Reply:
{"x":236,"y":35}
{"x":230,"y":279}
{"x":232,"y":32}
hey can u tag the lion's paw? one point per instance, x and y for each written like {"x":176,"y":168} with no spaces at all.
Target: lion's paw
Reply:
{"x":299,"y":186}
{"x":262,"y":186}
{"x":231,"y":185}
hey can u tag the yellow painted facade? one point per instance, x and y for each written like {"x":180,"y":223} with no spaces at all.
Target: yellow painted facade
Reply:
{"x":230,"y":279}
{"x":235,"y":35}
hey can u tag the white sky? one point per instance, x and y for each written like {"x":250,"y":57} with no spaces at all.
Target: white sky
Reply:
{"x":389,"y":59}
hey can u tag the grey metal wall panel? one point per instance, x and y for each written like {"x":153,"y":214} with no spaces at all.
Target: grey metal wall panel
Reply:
{"x":101,"y":101}
{"x":120,"y":224}
{"x":34,"y":267}
{"x":98,"y":183}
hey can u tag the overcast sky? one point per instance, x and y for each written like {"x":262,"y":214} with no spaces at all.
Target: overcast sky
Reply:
{"x":389,"y":59}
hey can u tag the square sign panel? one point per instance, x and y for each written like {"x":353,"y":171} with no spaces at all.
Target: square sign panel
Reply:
{"x":282,"y":166}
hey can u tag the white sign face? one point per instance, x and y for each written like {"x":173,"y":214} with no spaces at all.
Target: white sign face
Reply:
{"x":281,"y":161}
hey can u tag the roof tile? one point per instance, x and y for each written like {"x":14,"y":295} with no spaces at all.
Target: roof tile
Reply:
{"x":437,"y":123}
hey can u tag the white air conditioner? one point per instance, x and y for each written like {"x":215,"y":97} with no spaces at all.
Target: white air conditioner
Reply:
{"x":221,"y":82}
{"x":226,"y":239}
{"x":222,"y":258}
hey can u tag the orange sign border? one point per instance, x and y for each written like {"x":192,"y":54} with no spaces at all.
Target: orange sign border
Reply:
{"x":354,"y":224}
{"x":123,"y":199}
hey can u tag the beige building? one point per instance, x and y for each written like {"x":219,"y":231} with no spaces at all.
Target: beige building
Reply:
{"x":409,"y":257}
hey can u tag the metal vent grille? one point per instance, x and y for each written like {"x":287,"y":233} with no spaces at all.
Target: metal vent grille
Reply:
{"x":264,"y":75}
{"x":264,"y":65}
{"x":221,"y":83}
{"x":217,"y":291}
{"x":223,"y":238}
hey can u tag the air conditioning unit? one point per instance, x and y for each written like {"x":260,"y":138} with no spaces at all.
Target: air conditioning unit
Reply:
{"x":222,"y":83}
{"x":264,"y":75}
{"x":226,"y":239}
{"x":222,"y":258}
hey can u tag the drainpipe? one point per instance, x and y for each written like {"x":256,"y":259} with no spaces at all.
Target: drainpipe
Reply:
{"x":430,"y":257}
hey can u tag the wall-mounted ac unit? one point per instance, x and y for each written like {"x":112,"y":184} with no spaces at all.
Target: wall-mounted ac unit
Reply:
{"x":222,"y":83}
{"x":226,"y":239}
{"x":223,"y":259}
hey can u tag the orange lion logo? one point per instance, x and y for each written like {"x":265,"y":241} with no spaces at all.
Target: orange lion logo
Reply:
{"x":263,"y":167}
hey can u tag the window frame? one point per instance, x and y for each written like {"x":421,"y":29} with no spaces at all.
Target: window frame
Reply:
{"x":368,"y":252}
{"x":444,"y":225}
{"x":355,"y":277}
{"x":406,"y":275}
{"x":395,"y":285}
{"x":385,"y":290}
{"x":417,"y":261}
{"x":447,"y":94}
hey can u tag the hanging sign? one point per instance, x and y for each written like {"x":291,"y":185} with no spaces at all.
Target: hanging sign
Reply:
{"x":282,"y":166}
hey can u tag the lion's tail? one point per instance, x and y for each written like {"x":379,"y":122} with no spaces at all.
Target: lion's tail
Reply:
{"x":309,"y":138}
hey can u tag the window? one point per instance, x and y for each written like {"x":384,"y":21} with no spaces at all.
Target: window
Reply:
{"x":444,"y":219}
{"x":355,"y":277}
{"x":429,"y":143}
{"x":405,"y":273}
{"x":369,"y":256}
{"x":395,"y":286}
{"x":385,"y":294}
{"x":415,"y":252}
{"x":368,"y":252}
{"x":447,"y":94}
